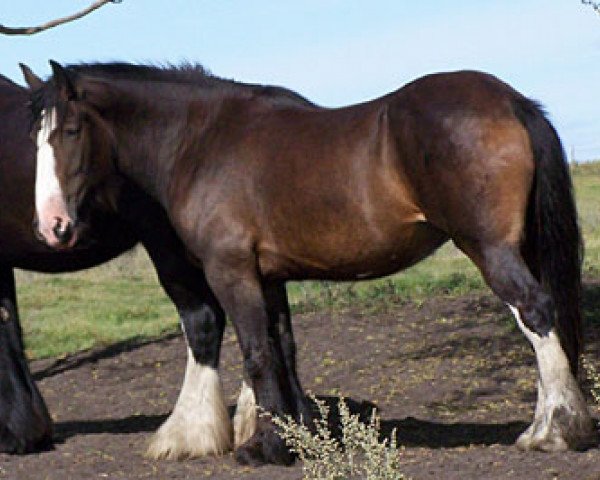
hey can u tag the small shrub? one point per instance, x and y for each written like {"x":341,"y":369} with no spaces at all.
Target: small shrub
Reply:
{"x":358,"y":455}
{"x":594,"y":377}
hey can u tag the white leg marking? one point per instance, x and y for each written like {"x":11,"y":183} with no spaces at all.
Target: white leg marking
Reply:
{"x":562,"y":419}
{"x":199,"y":424}
{"x":49,"y":200}
{"x":244,"y":420}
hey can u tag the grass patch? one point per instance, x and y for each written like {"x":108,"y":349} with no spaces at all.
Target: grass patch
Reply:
{"x":70,"y":312}
{"x":122,"y":299}
{"x":586,"y":178}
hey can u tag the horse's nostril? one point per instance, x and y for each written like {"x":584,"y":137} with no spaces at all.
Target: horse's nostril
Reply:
{"x":62,"y":232}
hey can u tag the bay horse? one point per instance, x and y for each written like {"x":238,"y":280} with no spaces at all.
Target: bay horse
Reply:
{"x":262,"y":190}
{"x":199,"y":424}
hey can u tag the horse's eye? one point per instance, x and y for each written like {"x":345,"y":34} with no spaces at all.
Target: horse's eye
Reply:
{"x":72,"y":132}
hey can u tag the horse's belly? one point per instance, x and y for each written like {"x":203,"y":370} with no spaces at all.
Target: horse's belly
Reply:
{"x":352,"y":258}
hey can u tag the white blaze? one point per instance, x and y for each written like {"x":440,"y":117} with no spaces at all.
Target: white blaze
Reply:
{"x":46,"y":182}
{"x":49,"y":202}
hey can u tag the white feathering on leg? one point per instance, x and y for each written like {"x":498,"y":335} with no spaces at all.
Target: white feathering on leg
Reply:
{"x":199,"y":424}
{"x":244,"y":420}
{"x":561,"y":415}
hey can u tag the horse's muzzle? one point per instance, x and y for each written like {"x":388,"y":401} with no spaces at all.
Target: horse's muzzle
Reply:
{"x":63,"y":231}
{"x":61,"y":236}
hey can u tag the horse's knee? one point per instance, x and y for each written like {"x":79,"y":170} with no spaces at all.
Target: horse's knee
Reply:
{"x":204,"y":331}
{"x":256,"y":361}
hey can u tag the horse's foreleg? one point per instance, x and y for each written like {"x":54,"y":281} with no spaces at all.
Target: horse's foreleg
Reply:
{"x":199,"y":424}
{"x":281,"y":333}
{"x":24,"y":421}
{"x":241,"y":294}
{"x":561,"y":417}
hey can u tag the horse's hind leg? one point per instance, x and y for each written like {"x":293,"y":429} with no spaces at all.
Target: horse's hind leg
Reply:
{"x":561,"y":418}
{"x":282,"y":331}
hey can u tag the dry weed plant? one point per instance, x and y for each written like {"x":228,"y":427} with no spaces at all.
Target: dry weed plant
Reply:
{"x":358,"y":455}
{"x":594,"y":377}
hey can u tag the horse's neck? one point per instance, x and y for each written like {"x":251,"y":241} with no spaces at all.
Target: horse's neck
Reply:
{"x":147,"y":152}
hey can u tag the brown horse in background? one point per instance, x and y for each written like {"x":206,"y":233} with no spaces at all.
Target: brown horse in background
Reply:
{"x":263,"y":189}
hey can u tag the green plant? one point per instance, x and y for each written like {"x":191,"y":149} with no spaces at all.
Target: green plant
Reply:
{"x":359,"y":454}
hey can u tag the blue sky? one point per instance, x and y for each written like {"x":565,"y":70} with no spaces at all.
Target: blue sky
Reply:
{"x":338,"y":52}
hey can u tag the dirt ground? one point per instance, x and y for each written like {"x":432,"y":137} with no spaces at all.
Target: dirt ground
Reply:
{"x":452,"y":374}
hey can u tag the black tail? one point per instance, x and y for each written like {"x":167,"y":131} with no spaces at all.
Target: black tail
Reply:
{"x":553,"y":247}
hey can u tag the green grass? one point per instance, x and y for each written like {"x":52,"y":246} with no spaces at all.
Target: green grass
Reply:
{"x":122,"y":299}
{"x":116,"y":301}
{"x":586,"y":178}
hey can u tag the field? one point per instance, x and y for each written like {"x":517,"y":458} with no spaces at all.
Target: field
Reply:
{"x":443,"y":362}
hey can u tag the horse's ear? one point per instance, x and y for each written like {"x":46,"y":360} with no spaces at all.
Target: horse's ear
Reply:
{"x":64,"y":81}
{"x":33,"y":81}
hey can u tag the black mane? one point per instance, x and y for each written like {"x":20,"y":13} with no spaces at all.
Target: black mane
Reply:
{"x":184,"y":73}
{"x":192,"y":74}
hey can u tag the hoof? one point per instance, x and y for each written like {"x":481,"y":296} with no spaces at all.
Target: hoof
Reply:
{"x":548,"y":443}
{"x":177,"y":440}
{"x":10,"y":444}
{"x":559,"y":431}
{"x":262,"y":448}
{"x":199,"y":425}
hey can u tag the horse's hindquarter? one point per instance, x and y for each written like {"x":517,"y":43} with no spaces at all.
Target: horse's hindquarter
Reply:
{"x":466,"y":154}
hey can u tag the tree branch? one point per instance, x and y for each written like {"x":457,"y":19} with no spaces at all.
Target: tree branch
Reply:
{"x":593,"y":4}
{"x":54,"y":23}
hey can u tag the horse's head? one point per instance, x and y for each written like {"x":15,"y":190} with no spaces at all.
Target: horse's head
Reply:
{"x":75,"y":152}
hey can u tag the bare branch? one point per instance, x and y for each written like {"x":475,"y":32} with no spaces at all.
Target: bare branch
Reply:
{"x":593,"y":4}
{"x":53,"y":23}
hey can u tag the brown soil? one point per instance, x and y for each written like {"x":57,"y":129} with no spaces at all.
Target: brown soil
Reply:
{"x":452,"y":374}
